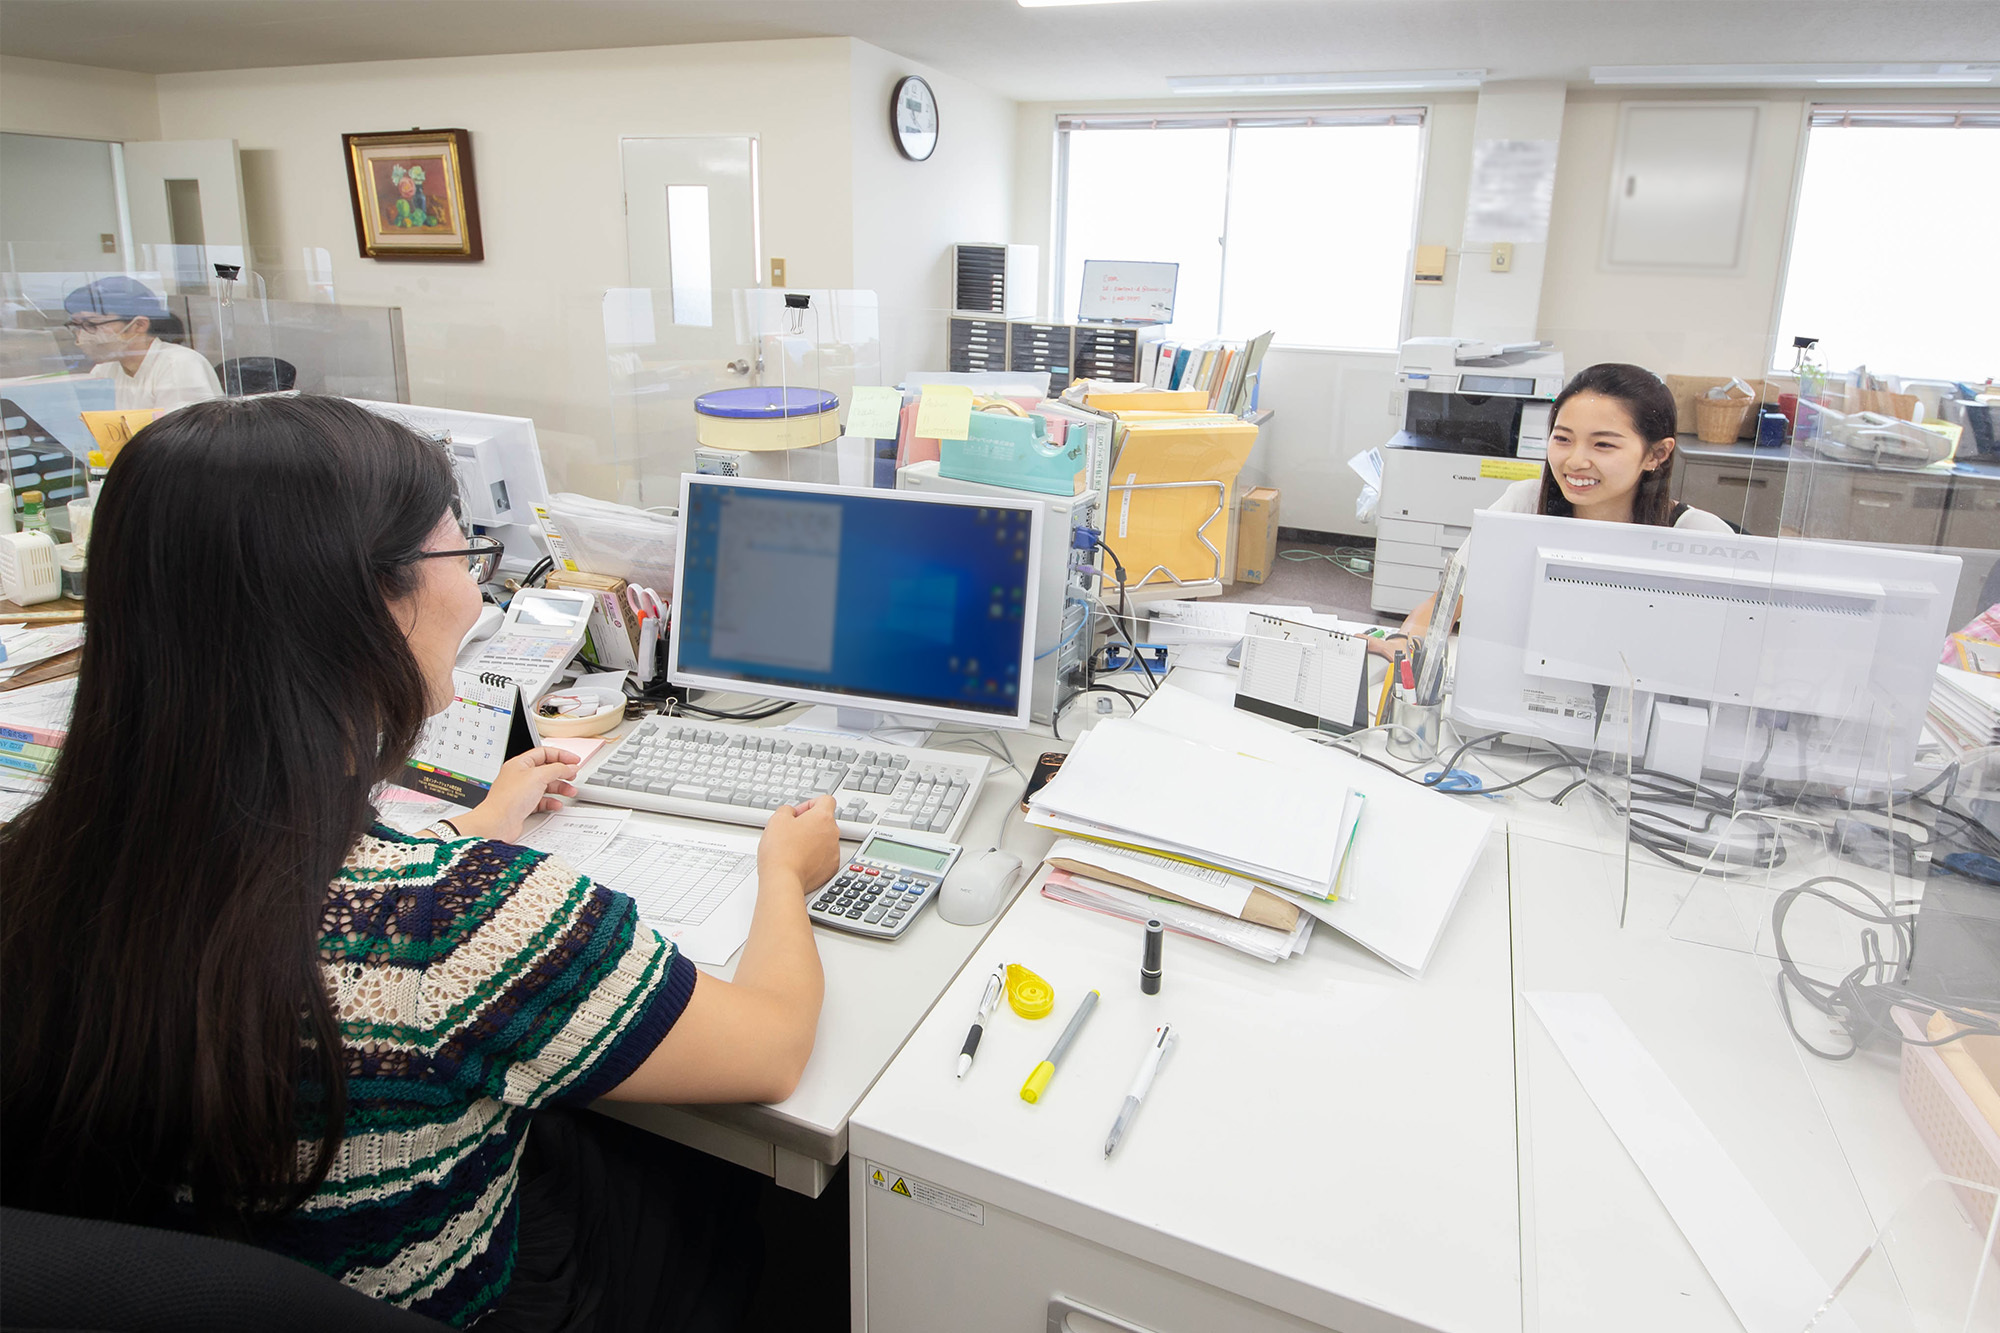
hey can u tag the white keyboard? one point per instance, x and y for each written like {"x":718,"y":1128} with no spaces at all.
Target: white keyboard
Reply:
{"x":738,"y":774}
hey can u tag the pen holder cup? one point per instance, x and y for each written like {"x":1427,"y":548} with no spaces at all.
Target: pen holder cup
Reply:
{"x":1414,"y":727}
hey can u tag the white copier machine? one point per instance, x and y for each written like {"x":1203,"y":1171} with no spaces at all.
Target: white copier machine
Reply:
{"x":1475,"y":420}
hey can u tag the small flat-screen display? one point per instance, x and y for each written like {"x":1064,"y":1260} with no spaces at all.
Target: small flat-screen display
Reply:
{"x":879,"y":599}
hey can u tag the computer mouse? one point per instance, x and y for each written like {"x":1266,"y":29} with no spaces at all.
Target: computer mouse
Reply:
{"x":978,"y":886}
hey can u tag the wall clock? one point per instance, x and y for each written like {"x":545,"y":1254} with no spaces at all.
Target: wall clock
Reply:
{"x":913,"y":118}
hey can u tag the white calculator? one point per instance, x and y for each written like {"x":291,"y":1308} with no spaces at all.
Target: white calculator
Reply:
{"x":882,"y":888}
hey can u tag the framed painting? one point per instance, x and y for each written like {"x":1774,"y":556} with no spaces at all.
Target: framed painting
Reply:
{"x":413,"y":195}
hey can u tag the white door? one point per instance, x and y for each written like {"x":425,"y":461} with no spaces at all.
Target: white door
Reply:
{"x":185,"y":197}
{"x":679,"y":330}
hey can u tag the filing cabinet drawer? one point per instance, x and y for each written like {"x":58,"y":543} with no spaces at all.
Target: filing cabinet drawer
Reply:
{"x":977,"y":344}
{"x":921,"y":1270}
{"x":1973,"y":518}
{"x":1749,"y":494}
{"x":1039,"y":347}
{"x":1870,"y":505}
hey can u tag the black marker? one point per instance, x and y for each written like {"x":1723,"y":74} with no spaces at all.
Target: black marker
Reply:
{"x":1149,"y":967}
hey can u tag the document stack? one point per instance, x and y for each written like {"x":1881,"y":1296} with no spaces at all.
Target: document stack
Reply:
{"x":1226,"y":826}
{"x":34,"y":720}
{"x":1965,"y":709}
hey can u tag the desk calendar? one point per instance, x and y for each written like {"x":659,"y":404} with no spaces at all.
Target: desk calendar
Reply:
{"x":462,"y":748}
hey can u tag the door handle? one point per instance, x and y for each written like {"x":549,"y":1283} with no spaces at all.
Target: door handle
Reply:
{"x":1062,"y":1307}
{"x":739,"y":367}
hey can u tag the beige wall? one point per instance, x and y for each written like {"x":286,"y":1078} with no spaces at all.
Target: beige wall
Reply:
{"x":907,"y":215}
{"x":1678,"y":323}
{"x":522,"y":332}
{"x":77,"y":101}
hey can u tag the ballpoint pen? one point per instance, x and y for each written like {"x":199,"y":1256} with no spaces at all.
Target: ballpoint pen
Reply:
{"x":1163,"y":1037}
{"x":1038,"y":1081}
{"x":994,"y":984}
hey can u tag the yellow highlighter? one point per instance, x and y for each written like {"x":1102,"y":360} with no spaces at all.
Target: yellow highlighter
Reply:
{"x":1038,"y":1082}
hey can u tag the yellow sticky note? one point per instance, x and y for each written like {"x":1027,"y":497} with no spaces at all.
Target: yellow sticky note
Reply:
{"x":1510,"y":469}
{"x":944,"y":412}
{"x":874,"y":413}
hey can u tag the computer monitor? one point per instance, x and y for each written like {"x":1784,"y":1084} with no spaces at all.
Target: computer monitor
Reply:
{"x":1811,"y":660}
{"x":499,"y":466}
{"x":895,"y":601}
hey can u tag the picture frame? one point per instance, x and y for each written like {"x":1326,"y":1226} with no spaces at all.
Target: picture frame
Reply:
{"x":414,"y":195}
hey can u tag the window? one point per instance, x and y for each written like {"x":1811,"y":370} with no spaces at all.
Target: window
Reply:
{"x":1299,"y":223}
{"x":1891,"y":263}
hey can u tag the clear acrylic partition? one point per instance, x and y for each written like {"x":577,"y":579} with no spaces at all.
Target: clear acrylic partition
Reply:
{"x":662,"y":355}
{"x":1826,"y":836}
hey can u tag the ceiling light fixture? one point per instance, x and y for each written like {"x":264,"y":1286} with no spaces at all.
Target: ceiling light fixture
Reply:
{"x":1986,"y":74}
{"x":1378,"y":81}
{"x":1055,"y":4}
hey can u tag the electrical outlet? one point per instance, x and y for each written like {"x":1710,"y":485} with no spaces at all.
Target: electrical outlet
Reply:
{"x":1503,"y":256}
{"x":777,"y":272}
{"x":107,"y":242}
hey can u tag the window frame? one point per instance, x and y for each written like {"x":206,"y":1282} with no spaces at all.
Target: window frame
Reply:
{"x":1418,"y":114}
{"x":1854,"y":115}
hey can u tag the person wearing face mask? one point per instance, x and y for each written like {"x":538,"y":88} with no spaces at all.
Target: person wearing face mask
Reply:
{"x":123,"y":326}
{"x":1611,"y":458}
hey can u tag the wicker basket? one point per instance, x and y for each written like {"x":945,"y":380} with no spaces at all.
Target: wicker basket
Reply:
{"x":1720,"y":420}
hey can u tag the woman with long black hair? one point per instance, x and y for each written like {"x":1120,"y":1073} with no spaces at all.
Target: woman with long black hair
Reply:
{"x":233,"y":1001}
{"x":1611,"y":459}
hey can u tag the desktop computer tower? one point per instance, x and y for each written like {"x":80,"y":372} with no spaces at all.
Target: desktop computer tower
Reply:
{"x":1062,"y":615}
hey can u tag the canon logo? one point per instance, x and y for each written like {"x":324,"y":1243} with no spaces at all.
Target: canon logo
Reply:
{"x":1703,"y":548}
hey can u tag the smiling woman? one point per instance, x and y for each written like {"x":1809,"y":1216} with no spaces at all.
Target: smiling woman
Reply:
{"x":1611,"y":458}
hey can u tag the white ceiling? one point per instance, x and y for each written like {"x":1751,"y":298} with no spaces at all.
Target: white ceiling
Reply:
{"x":1114,"y":51}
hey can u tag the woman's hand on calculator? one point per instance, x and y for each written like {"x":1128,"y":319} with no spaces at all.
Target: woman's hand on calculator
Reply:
{"x":803,"y":841}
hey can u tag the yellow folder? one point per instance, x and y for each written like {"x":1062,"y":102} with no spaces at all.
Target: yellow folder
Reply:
{"x":1164,"y":528}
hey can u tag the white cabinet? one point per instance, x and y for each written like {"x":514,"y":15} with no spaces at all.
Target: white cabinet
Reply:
{"x":1681,"y":188}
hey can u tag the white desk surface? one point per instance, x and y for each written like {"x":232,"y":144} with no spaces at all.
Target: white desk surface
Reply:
{"x":1436,"y":1183}
{"x":1337,"y":1146}
{"x":876,"y":992}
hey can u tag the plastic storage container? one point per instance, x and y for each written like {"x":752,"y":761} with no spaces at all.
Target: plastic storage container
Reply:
{"x":1011,"y":451}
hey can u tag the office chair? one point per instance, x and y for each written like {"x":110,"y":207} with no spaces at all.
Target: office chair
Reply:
{"x":243,"y":376}
{"x":67,"y":1273}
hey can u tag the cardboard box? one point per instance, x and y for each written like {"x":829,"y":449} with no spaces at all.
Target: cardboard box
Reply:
{"x":1257,"y":534}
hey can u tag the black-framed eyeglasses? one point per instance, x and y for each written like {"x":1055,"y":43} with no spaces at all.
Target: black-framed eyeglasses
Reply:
{"x":482,"y":557}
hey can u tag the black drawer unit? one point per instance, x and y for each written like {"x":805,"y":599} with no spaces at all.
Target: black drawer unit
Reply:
{"x":979,"y":278}
{"x":1105,"y":352}
{"x":1032,"y":346}
{"x":977,"y":344}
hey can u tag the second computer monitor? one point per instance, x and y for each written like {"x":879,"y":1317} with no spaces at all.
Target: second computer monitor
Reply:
{"x":907,"y":603}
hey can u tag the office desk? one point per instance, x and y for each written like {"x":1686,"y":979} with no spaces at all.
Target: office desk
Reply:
{"x":876,"y":992}
{"x":1346,"y":1147}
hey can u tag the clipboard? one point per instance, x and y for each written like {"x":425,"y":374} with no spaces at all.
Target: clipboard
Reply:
{"x":1303,"y":675}
{"x":461,"y":749}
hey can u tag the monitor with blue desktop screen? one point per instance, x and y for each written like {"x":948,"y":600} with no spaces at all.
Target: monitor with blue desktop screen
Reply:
{"x":906,"y":603}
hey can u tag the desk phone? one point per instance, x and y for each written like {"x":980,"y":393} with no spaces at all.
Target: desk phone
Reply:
{"x":542,"y":631}
{"x":881,"y":889}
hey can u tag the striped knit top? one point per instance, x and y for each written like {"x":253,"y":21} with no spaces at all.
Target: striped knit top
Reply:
{"x":473,"y":981}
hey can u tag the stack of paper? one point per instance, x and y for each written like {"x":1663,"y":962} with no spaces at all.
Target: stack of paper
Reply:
{"x":1133,"y":784}
{"x":1965,"y":709}
{"x":1266,"y":942}
{"x":1198,"y":780}
{"x":34,"y":720}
